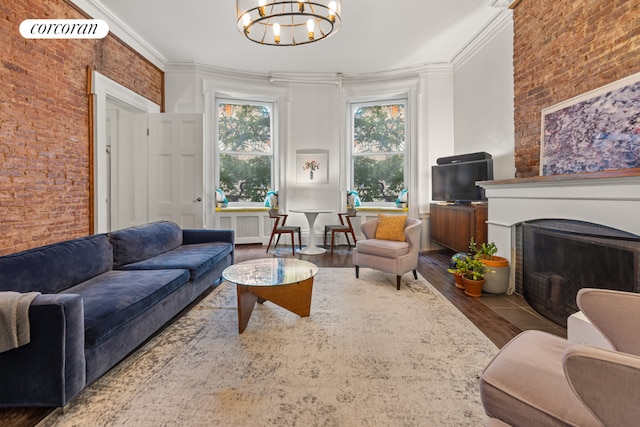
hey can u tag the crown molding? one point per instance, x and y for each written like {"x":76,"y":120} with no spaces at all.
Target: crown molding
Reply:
{"x":122,"y":31}
{"x":379,"y":76}
{"x":499,"y":22}
{"x":307,"y":78}
{"x":502,"y":3}
{"x":337,"y":79}
{"x":211,"y":71}
{"x":127,"y":35}
{"x":402,"y":73}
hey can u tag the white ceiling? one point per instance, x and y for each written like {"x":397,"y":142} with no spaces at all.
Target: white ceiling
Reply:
{"x":375,"y":36}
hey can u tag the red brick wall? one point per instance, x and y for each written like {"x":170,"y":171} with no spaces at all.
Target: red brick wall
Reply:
{"x":45,"y":188}
{"x":564,"y":48}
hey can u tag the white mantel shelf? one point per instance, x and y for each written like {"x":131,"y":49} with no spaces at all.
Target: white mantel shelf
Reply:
{"x":610,"y":198}
{"x":606,"y":198}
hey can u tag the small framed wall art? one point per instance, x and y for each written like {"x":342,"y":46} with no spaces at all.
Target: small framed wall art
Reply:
{"x":312,"y":166}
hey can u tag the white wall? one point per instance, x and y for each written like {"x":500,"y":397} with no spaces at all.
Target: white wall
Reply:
{"x":314,"y":115}
{"x":436,"y":126}
{"x":183,"y":89}
{"x":461,"y":107}
{"x":483,"y":102}
{"x":313,"y":123}
{"x":435,"y":137}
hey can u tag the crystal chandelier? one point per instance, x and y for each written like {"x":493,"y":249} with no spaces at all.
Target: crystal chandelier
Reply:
{"x":287,"y":23}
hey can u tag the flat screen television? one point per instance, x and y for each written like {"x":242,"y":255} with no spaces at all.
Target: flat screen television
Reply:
{"x":456,"y":182}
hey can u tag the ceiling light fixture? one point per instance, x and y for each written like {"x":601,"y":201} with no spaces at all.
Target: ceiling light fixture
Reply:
{"x":288,"y":23}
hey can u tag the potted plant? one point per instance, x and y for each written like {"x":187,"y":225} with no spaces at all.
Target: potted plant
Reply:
{"x":453,"y":268}
{"x":472,"y":271}
{"x":497,"y":283}
{"x":473,"y":278}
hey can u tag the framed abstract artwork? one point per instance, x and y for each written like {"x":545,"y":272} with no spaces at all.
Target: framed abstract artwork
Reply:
{"x":596,"y":131}
{"x":312,"y":166}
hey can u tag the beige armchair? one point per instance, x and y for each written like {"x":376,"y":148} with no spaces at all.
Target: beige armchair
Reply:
{"x":387,"y":255}
{"x":539,"y":379}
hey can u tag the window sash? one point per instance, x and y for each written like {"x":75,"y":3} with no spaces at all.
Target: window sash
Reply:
{"x":382,"y":199}
{"x":255,"y":187}
{"x":400,"y":129}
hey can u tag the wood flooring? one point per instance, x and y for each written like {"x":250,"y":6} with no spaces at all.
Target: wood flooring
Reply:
{"x":432,"y":266}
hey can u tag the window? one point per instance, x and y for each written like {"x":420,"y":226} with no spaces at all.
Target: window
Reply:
{"x":245,"y":150}
{"x":378,"y":150}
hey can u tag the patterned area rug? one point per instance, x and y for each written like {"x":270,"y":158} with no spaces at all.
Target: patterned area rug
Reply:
{"x":368,"y":355}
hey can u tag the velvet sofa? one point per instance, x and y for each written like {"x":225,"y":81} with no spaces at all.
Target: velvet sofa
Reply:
{"x":101,"y":297}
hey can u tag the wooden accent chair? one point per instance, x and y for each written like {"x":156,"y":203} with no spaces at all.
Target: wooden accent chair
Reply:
{"x":344,"y":227}
{"x":541,"y":379}
{"x":280,"y":228}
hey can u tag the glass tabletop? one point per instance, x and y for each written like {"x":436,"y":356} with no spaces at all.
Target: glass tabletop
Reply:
{"x":270,"y":272}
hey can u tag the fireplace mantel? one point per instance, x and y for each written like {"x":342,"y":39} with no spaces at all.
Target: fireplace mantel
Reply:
{"x":607,"y":198}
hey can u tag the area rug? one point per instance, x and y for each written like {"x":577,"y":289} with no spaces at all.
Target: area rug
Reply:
{"x":368,"y":355}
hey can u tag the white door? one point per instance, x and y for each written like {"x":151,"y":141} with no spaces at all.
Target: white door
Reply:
{"x":176,"y":169}
{"x":126,"y":166}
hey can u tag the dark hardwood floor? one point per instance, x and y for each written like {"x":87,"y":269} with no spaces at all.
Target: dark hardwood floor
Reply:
{"x":432,"y":266}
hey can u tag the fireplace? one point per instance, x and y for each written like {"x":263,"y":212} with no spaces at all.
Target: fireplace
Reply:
{"x":569,"y":220}
{"x":559,"y":257}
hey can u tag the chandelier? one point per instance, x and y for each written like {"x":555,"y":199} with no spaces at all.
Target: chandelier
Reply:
{"x":287,"y":23}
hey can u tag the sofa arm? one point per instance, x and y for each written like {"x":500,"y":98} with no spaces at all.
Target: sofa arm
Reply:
{"x":50,"y":370}
{"x":413,"y":233}
{"x":615,"y":314}
{"x":606,"y":381}
{"x":368,"y":228}
{"x":190,"y":237}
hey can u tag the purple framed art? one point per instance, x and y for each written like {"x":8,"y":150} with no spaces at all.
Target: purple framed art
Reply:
{"x":596,"y":131}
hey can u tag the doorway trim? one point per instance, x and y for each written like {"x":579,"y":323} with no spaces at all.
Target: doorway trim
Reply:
{"x":103,"y":88}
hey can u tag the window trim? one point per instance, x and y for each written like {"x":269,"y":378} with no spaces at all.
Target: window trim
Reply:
{"x":214,"y":87}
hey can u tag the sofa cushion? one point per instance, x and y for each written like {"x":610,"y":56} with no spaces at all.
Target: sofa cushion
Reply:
{"x":117,"y":297}
{"x":144,"y":241}
{"x":515,"y":386}
{"x":53,"y":268}
{"x":383,"y":248}
{"x":197,"y":258}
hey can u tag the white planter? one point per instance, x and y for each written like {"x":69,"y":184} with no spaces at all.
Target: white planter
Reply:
{"x":498,"y":282}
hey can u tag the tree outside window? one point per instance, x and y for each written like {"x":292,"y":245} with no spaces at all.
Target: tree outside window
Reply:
{"x":245,"y":150}
{"x":378,"y":151}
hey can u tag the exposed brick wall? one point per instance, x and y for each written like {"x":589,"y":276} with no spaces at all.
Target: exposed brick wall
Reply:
{"x":564,"y":48}
{"x":45,"y":189}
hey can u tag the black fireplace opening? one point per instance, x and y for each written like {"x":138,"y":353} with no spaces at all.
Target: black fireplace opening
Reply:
{"x":559,"y":257}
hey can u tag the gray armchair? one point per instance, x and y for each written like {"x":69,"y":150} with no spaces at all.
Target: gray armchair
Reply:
{"x":539,"y":379}
{"x":387,"y":255}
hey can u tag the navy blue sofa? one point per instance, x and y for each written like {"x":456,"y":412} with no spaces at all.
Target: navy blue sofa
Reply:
{"x":101,"y":297}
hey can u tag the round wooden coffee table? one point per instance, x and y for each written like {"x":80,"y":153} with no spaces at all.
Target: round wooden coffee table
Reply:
{"x":287,"y":282}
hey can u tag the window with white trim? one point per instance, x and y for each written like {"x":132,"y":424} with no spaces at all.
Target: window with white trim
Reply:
{"x":245,"y":154}
{"x":378,"y":150}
